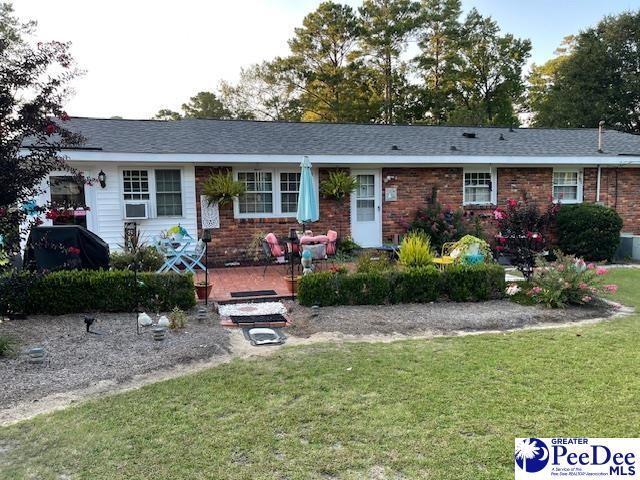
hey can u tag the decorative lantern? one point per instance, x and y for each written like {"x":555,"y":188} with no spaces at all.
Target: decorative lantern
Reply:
{"x":202,"y":314}
{"x":36,"y":355}
{"x":102,"y":178}
{"x":159,"y":333}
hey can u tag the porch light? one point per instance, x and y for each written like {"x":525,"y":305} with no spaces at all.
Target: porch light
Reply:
{"x":102,"y":178}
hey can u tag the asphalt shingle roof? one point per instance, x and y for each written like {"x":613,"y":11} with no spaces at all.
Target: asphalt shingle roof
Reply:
{"x":254,"y":137}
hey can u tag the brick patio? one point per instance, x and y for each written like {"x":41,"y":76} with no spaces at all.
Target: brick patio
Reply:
{"x":241,"y":279}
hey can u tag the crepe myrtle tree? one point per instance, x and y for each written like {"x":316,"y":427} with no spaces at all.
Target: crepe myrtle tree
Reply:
{"x":524,"y":231}
{"x":34,"y":83}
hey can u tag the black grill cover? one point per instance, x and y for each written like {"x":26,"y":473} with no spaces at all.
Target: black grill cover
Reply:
{"x":65,"y":247}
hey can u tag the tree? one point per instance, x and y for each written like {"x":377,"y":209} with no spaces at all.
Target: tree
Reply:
{"x":259,"y":95}
{"x":167,"y":114}
{"x":384,"y":28}
{"x":205,"y":105}
{"x":33,"y":88}
{"x":12,"y":29}
{"x":330,"y":80}
{"x":489,"y":78}
{"x":440,"y":32}
{"x":598,"y":79}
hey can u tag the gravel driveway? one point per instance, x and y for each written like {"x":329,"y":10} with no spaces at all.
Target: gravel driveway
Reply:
{"x":76,"y":359}
{"x":436,"y":318}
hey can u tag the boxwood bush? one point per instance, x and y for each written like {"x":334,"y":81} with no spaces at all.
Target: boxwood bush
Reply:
{"x":589,"y":231}
{"x":426,"y":284}
{"x":77,"y":291}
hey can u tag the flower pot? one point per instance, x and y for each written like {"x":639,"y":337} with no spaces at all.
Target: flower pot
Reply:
{"x":203,"y":291}
{"x":292,"y":283}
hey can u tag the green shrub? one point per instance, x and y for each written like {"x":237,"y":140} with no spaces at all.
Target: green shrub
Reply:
{"x":372,"y":261}
{"x":464,"y":283}
{"x":415,"y":250}
{"x":149,"y":259}
{"x":412,"y":285}
{"x":589,"y":231}
{"x":76,"y":291}
{"x":364,"y":289}
{"x":319,"y":289}
{"x":416,"y":285}
{"x":14,"y":288}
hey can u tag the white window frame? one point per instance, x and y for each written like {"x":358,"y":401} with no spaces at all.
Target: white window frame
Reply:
{"x":580,"y":185}
{"x":277,"y":199}
{"x":494,"y":185}
{"x":152,"y":201}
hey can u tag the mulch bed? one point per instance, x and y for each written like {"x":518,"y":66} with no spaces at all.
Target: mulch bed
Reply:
{"x":76,"y":359}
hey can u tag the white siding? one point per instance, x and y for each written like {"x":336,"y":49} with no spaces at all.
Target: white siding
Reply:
{"x":106,"y":217}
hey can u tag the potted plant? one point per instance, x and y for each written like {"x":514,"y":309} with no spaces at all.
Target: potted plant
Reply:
{"x":203,"y":289}
{"x":221,"y":188}
{"x":292,"y":283}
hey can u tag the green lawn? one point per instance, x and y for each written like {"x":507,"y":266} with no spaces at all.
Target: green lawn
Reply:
{"x":441,"y":409}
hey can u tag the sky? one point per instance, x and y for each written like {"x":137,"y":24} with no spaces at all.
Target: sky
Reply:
{"x":143,"y":55}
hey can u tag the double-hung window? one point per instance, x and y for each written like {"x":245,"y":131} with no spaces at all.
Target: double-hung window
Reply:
{"x":479,"y":187}
{"x":162,"y":185}
{"x":268,"y":193}
{"x":567,"y":185}
{"x":168,"y":193}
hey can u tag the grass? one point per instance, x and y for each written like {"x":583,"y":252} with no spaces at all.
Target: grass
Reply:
{"x":447,"y":408}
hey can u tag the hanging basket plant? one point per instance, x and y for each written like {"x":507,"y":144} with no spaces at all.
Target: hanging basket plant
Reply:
{"x":338,"y":185}
{"x":221,"y":188}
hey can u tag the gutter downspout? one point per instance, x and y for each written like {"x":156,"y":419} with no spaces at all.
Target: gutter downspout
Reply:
{"x":598,"y":184}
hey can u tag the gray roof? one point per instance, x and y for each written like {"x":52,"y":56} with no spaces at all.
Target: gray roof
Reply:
{"x":255,"y":137}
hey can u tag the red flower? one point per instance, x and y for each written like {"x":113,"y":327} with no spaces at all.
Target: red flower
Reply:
{"x":64,"y":116}
{"x":37,"y":222}
{"x":499,"y":248}
{"x":51,"y":128}
{"x":512,"y":203}
{"x":52,"y":214}
{"x":502,"y":240}
{"x":73,"y":251}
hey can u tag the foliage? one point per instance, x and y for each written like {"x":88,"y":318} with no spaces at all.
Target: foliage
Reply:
{"x":347,"y":247}
{"x":441,"y":223}
{"x":221,"y":188}
{"x":177,"y":318}
{"x":148,"y":259}
{"x":32,"y":90}
{"x":595,"y":79}
{"x":7,"y":346}
{"x":205,"y":105}
{"x":415,"y":250}
{"x":423,"y":284}
{"x":338,"y":185}
{"x":75,"y":291}
{"x":384,"y":28}
{"x":254,"y":249}
{"x":523,"y":232}
{"x":566,"y":281}
{"x":589,"y":231}
{"x":372,"y":261}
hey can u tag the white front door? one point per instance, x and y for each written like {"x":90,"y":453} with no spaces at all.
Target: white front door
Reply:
{"x":366,"y":211}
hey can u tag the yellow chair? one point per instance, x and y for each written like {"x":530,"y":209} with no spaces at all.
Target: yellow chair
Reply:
{"x":445,"y":259}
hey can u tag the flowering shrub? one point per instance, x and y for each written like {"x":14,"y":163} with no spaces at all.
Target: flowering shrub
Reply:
{"x":523,"y":232}
{"x":567,"y":281}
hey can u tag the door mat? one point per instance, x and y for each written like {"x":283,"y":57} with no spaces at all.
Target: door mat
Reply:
{"x":270,"y":319}
{"x":266,"y":314}
{"x":253,"y":293}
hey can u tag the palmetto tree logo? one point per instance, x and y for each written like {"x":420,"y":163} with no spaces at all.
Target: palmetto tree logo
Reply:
{"x":532,"y":454}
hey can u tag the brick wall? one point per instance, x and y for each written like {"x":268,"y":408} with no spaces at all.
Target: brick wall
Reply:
{"x":414,"y":187}
{"x":230,"y":241}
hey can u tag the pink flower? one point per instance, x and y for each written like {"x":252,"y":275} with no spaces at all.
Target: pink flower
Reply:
{"x":536,"y":290}
{"x":502,"y":240}
{"x":73,"y":251}
{"x":583,"y":286}
{"x":64,"y":116}
{"x":586,"y":299}
{"x":512,"y":203}
{"x":591,"y":266}
{"x":610,"y":288}
{"x":499,"y":248}
{"x":560,"y":268}
{"x":601,"y":271}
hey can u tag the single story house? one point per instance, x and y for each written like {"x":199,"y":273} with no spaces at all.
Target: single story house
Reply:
{"x":154,"y":171}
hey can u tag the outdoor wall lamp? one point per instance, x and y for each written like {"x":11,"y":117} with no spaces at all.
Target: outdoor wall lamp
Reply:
{"x":102,"y":178}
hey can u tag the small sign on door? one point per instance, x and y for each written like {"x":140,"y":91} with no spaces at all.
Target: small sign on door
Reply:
{"x":390,"y":194}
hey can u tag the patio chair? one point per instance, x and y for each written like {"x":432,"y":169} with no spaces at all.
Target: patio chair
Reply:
{"x":275,"y":252}
{"x":447,"y":256}
{"x":191,"y":259}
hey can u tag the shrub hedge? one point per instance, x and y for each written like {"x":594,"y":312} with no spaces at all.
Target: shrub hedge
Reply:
{"x":589,"y":231}
{"x":461,"y":283}
{"x":76,"y":291}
